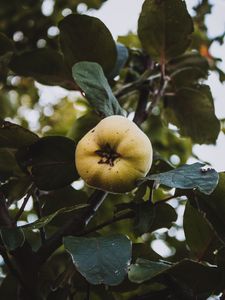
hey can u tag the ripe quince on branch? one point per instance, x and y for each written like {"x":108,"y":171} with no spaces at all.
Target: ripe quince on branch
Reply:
{"x":114,"y":155}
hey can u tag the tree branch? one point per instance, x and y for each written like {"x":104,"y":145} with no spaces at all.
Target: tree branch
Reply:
{"x":25,"y":200}
{"x":128,"y":215}
{"x":140,"y":113}
{"x":73,"y":226}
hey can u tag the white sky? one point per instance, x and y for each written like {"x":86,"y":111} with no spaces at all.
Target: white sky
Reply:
{"x":121,"y":16}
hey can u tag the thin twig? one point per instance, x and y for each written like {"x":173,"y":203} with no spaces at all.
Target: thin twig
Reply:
{"x":150,"y":199}
{"x":136,"y":85}
{"x":38,"y":210}
{"x":159,"y":93}
{"x":11,"y":267}
{"x":140,"y":113}
{"x":74,"y":226}
{"x":25,"y":200}
{"x":128,"y":215}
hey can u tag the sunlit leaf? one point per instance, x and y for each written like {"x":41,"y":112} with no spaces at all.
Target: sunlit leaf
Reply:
{"x":91,"y":79}
{"x":194,"y":176}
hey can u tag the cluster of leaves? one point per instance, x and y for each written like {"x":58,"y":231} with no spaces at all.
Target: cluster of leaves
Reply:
{"x":160,"y":82}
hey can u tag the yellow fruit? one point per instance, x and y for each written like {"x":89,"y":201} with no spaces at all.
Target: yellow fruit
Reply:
{"x":114,"y":155}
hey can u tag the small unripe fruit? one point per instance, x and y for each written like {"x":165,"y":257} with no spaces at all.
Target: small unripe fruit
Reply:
{"x":114,"y":155}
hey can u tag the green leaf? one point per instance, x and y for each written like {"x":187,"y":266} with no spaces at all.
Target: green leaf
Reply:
{"x":144,"y":270}
{"x":62,"y":198}
{"x":213,"y":207}
{"x":85,"y":38}
{"x":50,"y":161}
{"x":47,"y":219}
{"x":122,"y":57}
{"x":194,"y":176}
{"x":91,"y":79}
{"x":199,"y":277}
{"x":101,"y":260}
{"x":15,"y":136}
{"x":187,"y":69}
{"x":150,"y":217}
{"x":200,"y":237}
{"x":15,"y":188}
{"x":12,"y":238}
{"x":164,"y":28}
{"x":44,"y":65}
{"x":82,"y":125}
{"x":8,"y":164}
{"x":192,"y":111}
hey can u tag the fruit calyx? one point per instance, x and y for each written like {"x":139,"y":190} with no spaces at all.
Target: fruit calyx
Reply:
{"x":108,"y":155}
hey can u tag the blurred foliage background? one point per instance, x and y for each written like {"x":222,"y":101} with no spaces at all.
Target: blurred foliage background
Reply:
{"x":46,"y":110}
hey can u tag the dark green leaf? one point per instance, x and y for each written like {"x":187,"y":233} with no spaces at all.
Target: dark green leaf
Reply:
{"x":150,"y":217}
{"x":191,"y":59}
{"x":194,"y":176}
{"x":44,"y":65}
{"x":50,"y":161}
{"x":188,"y":69}
{"x":145,"y":251}
{"x":15,"y":136}
{"x":8,"y":164}
{"x":85,"y":38}
{"x":213,"y":207}
{"x":62,"y":198}
{"x":47,"y":219}
{"x":144,"y":270}
{"x":12,"y":238}
{"x":198,"y":232}
{"x":192,"y":111}
{"x":100,"y":259}
{"x":82,"y":125}
{"x":122,"y":57}
{"x":15,"y":188}
{"x":197,"y":276}
{"x":164,"y":28}
{"x":91,"y":79}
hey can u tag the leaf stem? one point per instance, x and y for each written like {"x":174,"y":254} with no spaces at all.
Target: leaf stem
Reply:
{"x":159,"y":93}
